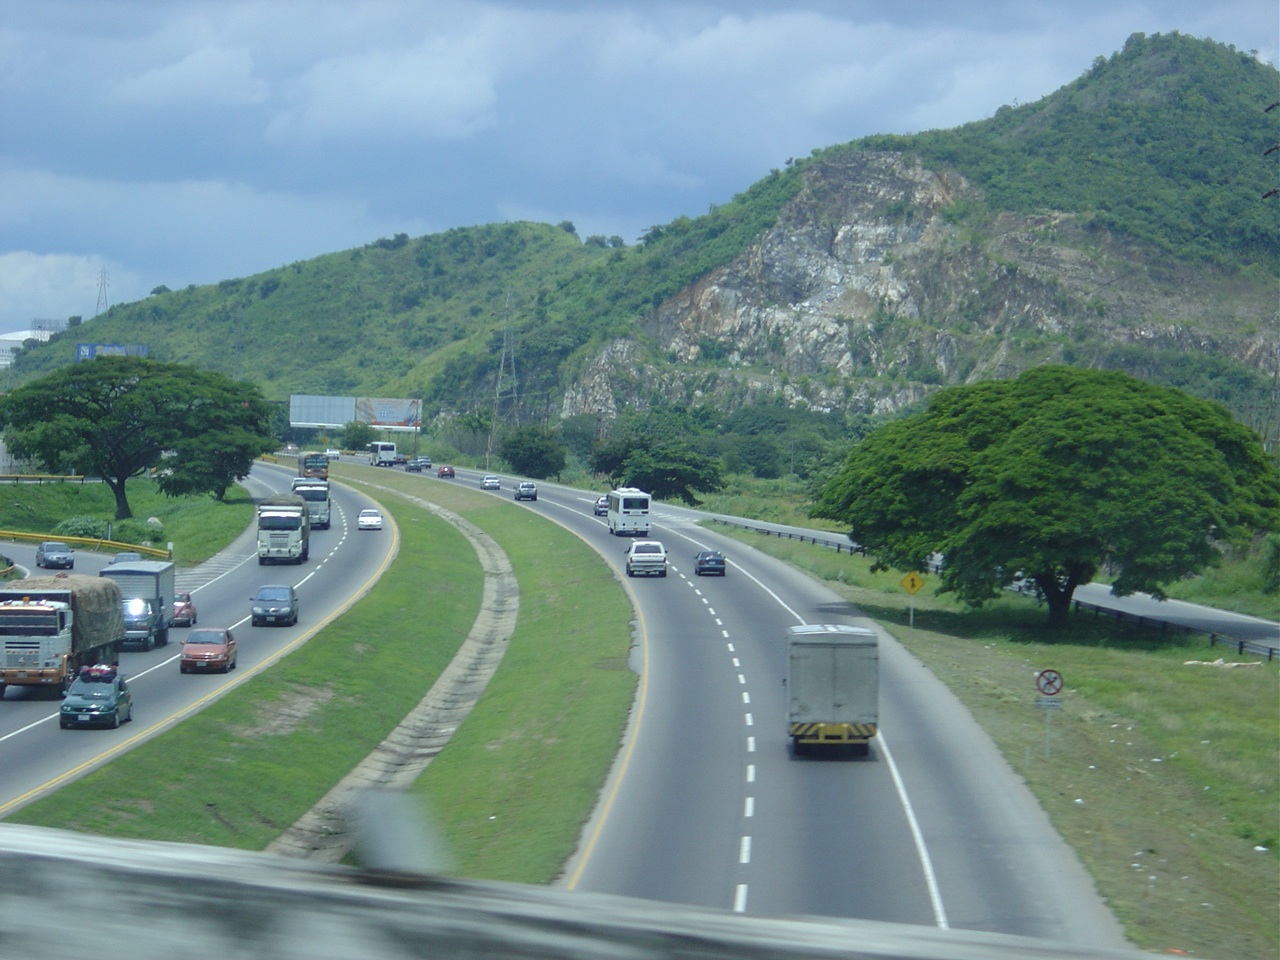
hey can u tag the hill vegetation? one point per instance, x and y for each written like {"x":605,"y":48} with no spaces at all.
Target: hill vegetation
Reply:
{"x":1155,"y":152}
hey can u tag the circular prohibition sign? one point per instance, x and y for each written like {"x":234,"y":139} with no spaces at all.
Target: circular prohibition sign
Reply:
{"x":1049,"y":682}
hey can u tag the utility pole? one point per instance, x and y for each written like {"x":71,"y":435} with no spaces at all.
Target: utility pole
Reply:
{"x":508,"y":359}
{"x":102,"y":292}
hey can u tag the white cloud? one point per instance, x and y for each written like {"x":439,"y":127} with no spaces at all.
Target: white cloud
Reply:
{"x":209,"y":75}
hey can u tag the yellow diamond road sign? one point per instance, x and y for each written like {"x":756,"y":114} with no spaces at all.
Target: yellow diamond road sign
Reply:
{"x":912,"y":582}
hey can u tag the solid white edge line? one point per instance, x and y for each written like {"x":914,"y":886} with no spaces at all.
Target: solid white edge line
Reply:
{"x":926,"y":864}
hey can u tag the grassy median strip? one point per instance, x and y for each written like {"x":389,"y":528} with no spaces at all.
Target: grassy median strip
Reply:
{"x":1163,"y":774}
{"x":245,"y":768}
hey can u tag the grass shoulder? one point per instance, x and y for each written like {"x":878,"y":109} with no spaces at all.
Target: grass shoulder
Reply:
{"x":1163,"y":771}
{"x":197,"y":526}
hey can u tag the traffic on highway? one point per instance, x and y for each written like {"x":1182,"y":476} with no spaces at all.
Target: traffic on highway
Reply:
{"x":709,"y":804}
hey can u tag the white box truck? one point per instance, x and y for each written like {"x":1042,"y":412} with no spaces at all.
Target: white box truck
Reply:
{"x":833,"y":687}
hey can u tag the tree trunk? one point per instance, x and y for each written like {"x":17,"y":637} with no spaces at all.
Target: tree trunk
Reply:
{"x":122,"y":502}
{"x":1057,"y":597}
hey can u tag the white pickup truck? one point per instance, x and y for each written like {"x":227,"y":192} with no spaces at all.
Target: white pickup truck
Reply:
{"x":648,"y":557}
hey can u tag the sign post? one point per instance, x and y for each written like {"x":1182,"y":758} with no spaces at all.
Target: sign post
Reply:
{"x":1049,"y":685}
{"x":911,"y":583}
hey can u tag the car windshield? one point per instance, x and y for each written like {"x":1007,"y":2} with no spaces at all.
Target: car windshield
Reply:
{"x":182,"y":598}
{"x":92,"y":690}
{"x":273,"y":593}
{"x":206,"y":636}
{"x":49,"y":547}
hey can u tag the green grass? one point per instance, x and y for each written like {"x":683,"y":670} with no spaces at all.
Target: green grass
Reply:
{"x":1176,"y":765}
{"x":536,"y":749}
{"x":198,"y":527}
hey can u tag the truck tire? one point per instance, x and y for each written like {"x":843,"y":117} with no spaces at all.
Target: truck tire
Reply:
{"x":2,"y":686}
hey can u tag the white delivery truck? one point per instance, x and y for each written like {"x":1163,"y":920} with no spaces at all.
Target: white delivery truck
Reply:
{"x":833,"y":687}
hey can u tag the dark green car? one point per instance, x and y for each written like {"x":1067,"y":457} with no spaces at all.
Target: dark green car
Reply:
{"x":98,"y":697}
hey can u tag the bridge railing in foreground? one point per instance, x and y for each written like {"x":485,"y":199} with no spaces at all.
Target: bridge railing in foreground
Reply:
{"x":64,"y":894}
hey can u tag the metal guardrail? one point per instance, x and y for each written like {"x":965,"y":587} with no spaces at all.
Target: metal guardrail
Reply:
{"x":1242,"y":646}
{"x":1166,"y":626}
{"x":98,"y":543}
{"x":39,"y":478}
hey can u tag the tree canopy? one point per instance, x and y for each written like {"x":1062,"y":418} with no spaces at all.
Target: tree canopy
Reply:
{"x":533,"y":451}
{"x":1052,"y":475}
{"x":117,"y":416}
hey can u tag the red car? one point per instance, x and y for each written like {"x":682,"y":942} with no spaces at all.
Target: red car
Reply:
{"x":184,"y":610}
{"x":445,"y":472}
{"x":208,"y":649}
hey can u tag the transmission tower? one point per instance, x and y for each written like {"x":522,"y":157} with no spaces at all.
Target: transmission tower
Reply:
{"x":102,"y":292}
{"x":506,"y":372}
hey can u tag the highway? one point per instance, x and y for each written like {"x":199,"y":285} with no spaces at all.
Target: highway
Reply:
{"x":37,"y":756}
{"x":705,"y":805}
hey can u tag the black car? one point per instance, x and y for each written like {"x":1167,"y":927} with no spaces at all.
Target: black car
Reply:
{"x":274,"y":603}
{"x":54,"y":555}
{"x":98,"y":697}
{"x":710,"y":562}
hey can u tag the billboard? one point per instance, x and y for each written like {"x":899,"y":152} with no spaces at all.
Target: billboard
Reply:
{"x":389,"y":414}
{"x":87,"y":351}
{"x":332,"y":413}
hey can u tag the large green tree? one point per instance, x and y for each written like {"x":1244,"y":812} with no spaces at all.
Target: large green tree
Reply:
{"x":533,"y":451}
{"x":1053,"y":475}
{"x":671,"y":470}
{"x":117,"y":416}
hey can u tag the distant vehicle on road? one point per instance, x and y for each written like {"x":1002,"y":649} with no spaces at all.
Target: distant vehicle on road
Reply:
{"x":314,"y":465}
{"x":382,"y":454}
{"x":54,"y":555}
{"x":648,"y":557}
{"x":274,"y":603}
{"x":333,"y":454}
{"x":125,"y":556}
{"x":601,"y":508}
{"x":446,"y":472}
{"x":526,"y":490}
{"x":184,"y":610}
{"x":490,"y":482}
{"x":208,"y":649}
{"x":709,"y":562}
{"x":369,"y":520}
{"x":98,"y":697}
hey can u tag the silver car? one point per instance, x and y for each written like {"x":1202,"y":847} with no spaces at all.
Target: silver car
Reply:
{"x":55,"y":555}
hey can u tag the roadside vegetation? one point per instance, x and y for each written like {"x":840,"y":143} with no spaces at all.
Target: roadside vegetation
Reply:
{"x":198,"y":526}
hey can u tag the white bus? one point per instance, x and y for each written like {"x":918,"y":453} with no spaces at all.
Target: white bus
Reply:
{"x":382,"y":454}
{"x":628,"y":512}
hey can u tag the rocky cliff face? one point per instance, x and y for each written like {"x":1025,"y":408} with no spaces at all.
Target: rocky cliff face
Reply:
{"x":883,"y":281}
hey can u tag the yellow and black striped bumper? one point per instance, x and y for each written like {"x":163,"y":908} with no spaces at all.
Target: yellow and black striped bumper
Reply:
{"x":832,"y":732}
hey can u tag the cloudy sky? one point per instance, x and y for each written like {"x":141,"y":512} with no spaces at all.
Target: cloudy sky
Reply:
{"x":178,"y":141}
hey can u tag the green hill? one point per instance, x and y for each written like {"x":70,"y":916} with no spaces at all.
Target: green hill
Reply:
{"x":1155,"y":154}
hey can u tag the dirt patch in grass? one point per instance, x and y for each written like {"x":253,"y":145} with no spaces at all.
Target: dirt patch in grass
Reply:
{"x":285,"y":714}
